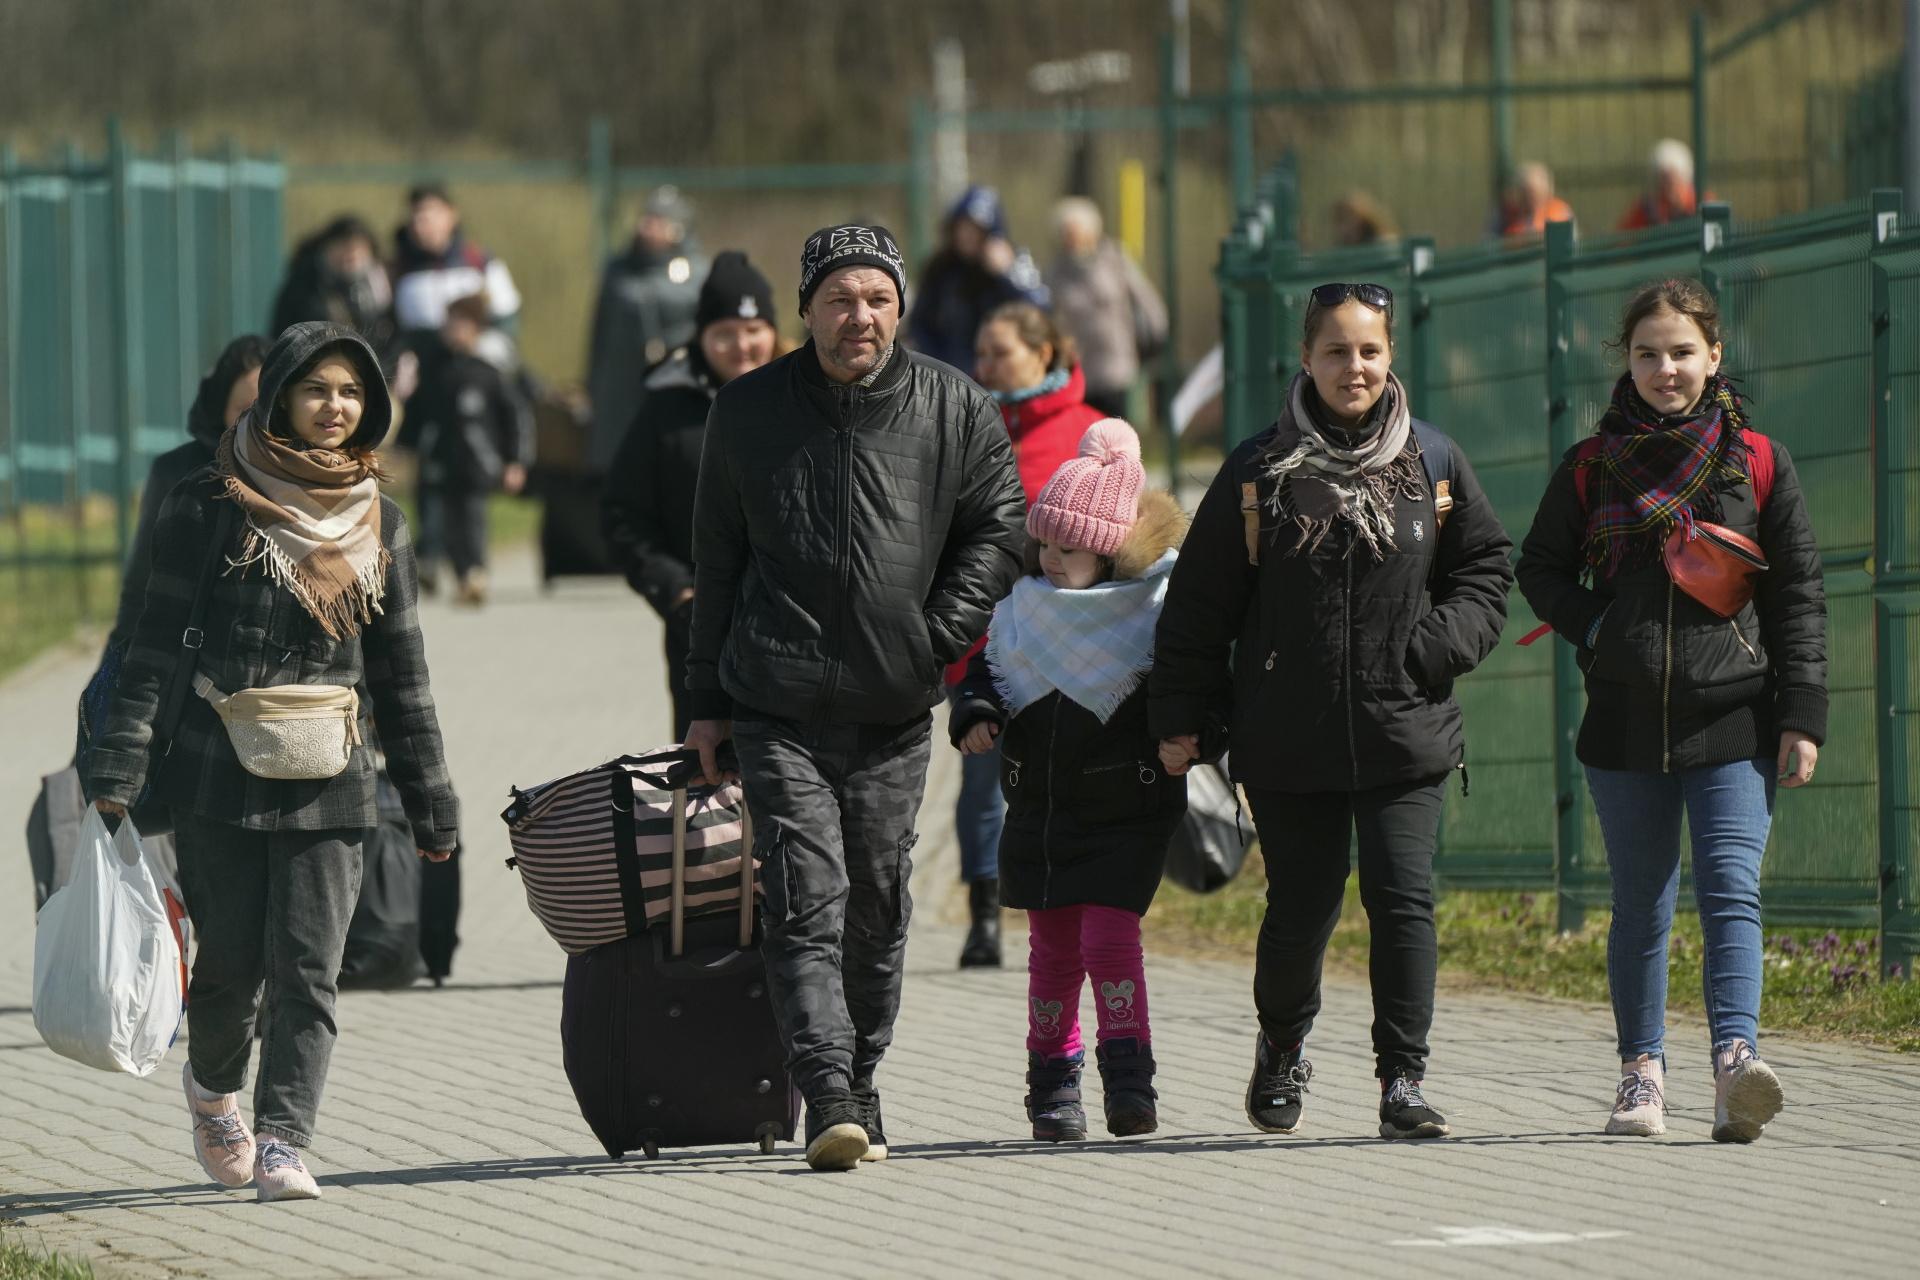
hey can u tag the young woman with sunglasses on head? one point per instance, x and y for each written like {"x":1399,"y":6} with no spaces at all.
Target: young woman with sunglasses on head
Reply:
{"x":1706,"y":680}
{"x":1343,"y":570}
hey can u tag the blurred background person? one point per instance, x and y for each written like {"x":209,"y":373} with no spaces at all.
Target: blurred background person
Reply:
{"x":1105,"y":303}
{"x":1359,"y":218}
{"x":434,"y":263}
{"x":475,"y":436}
{"x":1028,"y":363}
{"x":336,"y":275}
{"x":647,"y":509}
{"x":976,"y":269}
{"x":649,"y":295}
{"x":1669,"y":195}
{"x":1528,"y":203}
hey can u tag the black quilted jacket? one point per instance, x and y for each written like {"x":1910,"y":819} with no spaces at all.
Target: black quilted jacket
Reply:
{"x":849,"y":541}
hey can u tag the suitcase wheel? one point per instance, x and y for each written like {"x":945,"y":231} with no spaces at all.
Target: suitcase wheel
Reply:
{"x":766,"y":1144}
{"x":651,"y":1149}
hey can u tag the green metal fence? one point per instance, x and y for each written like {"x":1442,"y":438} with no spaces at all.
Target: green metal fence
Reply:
{"x":1506,"y":351}
{"x":121,"y":277}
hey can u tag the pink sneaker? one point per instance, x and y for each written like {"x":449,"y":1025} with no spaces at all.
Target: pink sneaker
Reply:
{"x":220,"y":1136}
{"x":279,"y":1174}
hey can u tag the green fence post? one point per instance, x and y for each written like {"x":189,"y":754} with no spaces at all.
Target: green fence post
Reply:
{"x":603,"y":184}
{"x":919,"y":183}
{"x":1569,"y":692}
{"x":1701,"y":66}
{"x":238,"y":247}
{"x":131,"y":373}
{"x":186,"y":276}
{"x":9,"y":349}
{"x":1169,"y":362}
{"x":1896,"y":605}
{"x":1233,"y":274}
{"x":1239,"y":111}
{"x":1502,"y":51}
{"x":76,"y":408}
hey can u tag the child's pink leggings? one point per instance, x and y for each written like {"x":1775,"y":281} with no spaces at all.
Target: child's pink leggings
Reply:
{"x":1068,"y":944}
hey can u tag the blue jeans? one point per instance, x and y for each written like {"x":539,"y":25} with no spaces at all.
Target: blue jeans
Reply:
{"x":978,"y":815}
{"x":1729,"y":809}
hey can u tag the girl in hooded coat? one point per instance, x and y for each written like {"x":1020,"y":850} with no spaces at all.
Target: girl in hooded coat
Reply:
{"x":314,"y":584}
{"x":1060,"y":688}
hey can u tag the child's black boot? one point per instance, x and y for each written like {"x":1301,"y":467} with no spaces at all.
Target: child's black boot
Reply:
{"x":1126,"y":1075}
{"x":1053,"y":1098}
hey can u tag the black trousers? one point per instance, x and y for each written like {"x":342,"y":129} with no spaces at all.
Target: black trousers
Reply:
{"x":833,"y":821}
{"x":453,"y":524}
{"x":679,"y":627}
{"x":269,"y":908}
{"x":1305,"y":840}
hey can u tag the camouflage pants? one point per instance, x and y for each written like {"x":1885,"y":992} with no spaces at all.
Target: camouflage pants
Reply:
{"x":833,"y":812}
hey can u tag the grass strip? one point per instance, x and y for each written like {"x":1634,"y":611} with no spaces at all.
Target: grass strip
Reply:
{"x":1819,"y":983}
{"x":22,"y":1261}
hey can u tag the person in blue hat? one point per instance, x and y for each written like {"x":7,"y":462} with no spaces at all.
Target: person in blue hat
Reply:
{"x":976,"y":270}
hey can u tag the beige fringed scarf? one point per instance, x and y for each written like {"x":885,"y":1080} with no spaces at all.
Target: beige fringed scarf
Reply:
{"x":313,"y":515}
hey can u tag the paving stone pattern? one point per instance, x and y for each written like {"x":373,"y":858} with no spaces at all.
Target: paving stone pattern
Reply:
{"x":450,"y":1146}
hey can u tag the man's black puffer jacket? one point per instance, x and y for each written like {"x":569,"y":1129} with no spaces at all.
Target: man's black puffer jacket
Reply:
{"x":1342,"y":667}
{"x":849,"y":541}
{"x":1672,"y":685}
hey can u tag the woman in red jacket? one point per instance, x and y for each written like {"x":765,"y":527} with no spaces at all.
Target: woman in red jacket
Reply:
{"x":1021,"y":356}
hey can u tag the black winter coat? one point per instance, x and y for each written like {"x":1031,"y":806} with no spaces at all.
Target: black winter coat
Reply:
{"x":647,"y":508}
{"x":1336,"y":671}
{"x":849,"y":541}
{"x":470,"y":423}
{"x":1089,"y":809}
{"x":1670,"y":684}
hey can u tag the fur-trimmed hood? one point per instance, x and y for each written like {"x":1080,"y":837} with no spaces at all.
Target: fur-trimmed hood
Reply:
{"x":1160,"y":527}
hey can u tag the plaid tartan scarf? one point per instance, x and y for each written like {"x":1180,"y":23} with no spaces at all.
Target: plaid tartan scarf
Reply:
{"x":1652,"y":473}
{"x":1094,"y":645}
{"x":314,"y":516}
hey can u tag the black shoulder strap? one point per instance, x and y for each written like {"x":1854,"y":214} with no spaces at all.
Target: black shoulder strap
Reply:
{"x":191,"y":639}
{"x":1436,"y":457}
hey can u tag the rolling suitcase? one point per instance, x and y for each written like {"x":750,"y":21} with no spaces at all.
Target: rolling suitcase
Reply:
{"x":668,"y":1034}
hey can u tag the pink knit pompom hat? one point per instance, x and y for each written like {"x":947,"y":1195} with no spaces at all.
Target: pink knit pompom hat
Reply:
{"x":1093,"y":499}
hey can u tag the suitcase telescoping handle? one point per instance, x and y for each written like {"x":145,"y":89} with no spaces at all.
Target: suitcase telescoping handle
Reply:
{"x":677,"y":900}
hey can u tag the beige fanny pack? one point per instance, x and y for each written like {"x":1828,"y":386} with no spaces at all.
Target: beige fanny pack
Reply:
{"x":296,"y":731}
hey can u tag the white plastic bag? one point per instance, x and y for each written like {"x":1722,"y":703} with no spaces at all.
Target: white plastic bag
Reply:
{"x":108,"y":982}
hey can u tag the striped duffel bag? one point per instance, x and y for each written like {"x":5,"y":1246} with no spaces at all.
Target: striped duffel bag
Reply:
{"x":605,"y":853}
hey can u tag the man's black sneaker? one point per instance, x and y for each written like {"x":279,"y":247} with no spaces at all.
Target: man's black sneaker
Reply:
{"x":1053,"y":1098}
{"x":836,"y":1132}
{"x":1126,"y":1081}
{"x":1274,"y":1094}
{"x":869,"y":1099}
{"x":1404,"y":1112}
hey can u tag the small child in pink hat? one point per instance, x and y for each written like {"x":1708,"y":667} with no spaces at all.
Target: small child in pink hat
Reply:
{"x":1061,"y":686}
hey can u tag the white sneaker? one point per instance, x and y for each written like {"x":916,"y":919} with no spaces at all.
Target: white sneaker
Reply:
{"x":1746,"y":1093}
{"x":1640,"y":1104}
{"x":220,"y":1136}
{"x":280,"y":1175}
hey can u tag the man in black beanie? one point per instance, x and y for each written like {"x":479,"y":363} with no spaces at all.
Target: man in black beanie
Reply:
{"x":858,"y":517}
{"x":647,"y":507}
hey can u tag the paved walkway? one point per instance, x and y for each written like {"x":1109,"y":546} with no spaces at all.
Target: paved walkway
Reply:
{"x":450,"y":1145}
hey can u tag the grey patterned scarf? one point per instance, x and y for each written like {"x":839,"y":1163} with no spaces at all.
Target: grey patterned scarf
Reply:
{"x":1319,"y":478}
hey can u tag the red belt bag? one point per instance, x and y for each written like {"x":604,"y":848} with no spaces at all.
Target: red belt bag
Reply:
{"x":1715,"y":566}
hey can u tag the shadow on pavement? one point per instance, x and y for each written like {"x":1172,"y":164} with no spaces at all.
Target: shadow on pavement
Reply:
{"x":783,"y":1164}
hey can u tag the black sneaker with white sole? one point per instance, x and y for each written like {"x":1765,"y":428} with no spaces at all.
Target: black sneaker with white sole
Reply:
{"x":836,"y":1132}
{"x":1404,"y":1112}
{"x":1275,"y":1094}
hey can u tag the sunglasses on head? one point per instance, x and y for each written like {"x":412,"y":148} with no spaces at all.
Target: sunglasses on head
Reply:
{"x":1377,"y":296}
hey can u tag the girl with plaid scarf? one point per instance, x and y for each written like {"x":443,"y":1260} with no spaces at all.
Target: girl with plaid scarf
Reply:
{"x":1060,"y":687}
{"x":1689,"y":712}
